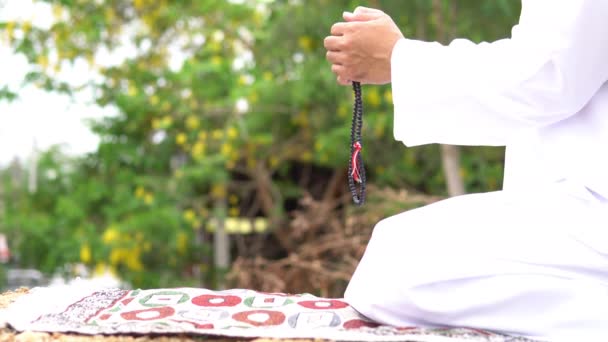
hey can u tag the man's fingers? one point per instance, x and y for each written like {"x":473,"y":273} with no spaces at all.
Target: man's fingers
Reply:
{"x":339,"y":41}
{"x":362,"y":14}
{"x":333,"y":43}
{"x":335,"y":57}
{"x":343,"y":75}
{"x":343,"y":81}
{"x":362,"y":9}
{"x":352,"y":17}
{"x":339,"y":29}
{"x":338,"y":70}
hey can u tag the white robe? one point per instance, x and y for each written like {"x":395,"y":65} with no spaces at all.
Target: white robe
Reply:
{"x":531,"y":259}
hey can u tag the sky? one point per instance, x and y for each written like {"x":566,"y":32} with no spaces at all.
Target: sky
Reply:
{"x":38,"y":117}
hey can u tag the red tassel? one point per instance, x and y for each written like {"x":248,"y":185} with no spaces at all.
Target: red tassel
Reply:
{"x":355,"y":160}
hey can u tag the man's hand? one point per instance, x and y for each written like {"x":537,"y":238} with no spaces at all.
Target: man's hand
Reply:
{"x":360,"y":49}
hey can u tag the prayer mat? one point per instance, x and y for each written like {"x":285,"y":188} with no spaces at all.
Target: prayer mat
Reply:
{"x":235,"y":313}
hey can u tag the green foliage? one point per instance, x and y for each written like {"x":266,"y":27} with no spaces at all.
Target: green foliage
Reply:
{"x":7,"y":94}
{"x":180,"y":143}
{"x":3,"y":276}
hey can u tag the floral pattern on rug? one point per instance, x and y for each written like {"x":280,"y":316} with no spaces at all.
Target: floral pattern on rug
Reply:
{"x":237,"y":313}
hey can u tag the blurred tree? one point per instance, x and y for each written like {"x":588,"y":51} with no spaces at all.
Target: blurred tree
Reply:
{"x":221,"y":104}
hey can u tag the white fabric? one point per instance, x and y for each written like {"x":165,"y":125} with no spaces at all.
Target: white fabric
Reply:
{"x":542,"y":92}
{"x":531,"y":259}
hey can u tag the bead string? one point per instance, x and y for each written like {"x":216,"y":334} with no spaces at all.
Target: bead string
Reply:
{"x":356,"y":169}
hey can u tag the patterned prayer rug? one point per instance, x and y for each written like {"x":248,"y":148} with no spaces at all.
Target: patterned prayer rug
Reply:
{"x":231,"y":313}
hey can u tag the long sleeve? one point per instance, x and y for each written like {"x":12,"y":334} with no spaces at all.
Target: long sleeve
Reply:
{"x":483,"y":94}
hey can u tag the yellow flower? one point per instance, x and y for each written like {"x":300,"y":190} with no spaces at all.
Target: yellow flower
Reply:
{"x":154,"y":100}
{"x":110,"y":235}
{"x":388,"y":96}
{"x":132,"y":91}
{"x":253,"y":97}
{"x":10,"y":30}
{"x":132,"y":260}
{"x":234,"y":156}
{"x":198,"y":150}
{"x":196,"y":224}
{"x":267,"y":76}
{"x":192,"y":122}
{"x":273,"y":161}
{"x":57,"y":11}
{"x":156,"y":123}
{"x":181,"y":139}
{"x":90,"y":59}
{"x":202,"y":135}
{"x":232,"y":133}
{"x":226,"y":149}
{"x":233,"y":199}
{"x":245,"y":227}
{"x":216,"y":60}
{"x":342,"y":111}
{"x":218,"y":191}
{"x":234,"y":212}
{"x":189,"y":215}
{"x":120,"y":255}
{"x":109,"y":14}
{"x":373,"y":97}
{"x":217,"y":134}
{"x":260,"y":224}
{"x":139,"y":4}
{"x":116,"y":256}
{"x":85,"y":254}
{"x":43,"y":61}
{"x":379,"y":130}
{"x":149,"y":20}
{"x":182,"y":243}
{"x":26,"y":26}
{"x":140,"y":192}
{"x":307,"y":156}
{"x":214,"y":46}
{"x":463,"y":172}
{"x":149,"y":199}
{"x":301,"y":118}
{"x":410,"y":158}
{"x":231,"y":225}
{"x":101,"y":269}
{"x":167,"y":121}
{"x":305,"y":43}
{"x":212,"y":225}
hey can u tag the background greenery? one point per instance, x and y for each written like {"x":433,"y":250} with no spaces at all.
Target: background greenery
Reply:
{"x":182,"y":151}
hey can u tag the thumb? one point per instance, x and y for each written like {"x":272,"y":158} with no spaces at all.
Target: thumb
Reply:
{"x":362,"y":14}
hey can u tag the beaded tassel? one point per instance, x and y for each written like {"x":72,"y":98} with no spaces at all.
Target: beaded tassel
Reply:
{"x":356,"y":169}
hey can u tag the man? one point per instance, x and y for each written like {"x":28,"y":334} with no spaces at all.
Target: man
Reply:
{"x":531,"y":259}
